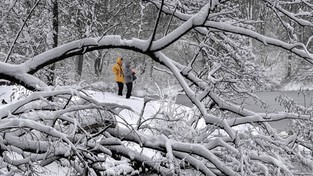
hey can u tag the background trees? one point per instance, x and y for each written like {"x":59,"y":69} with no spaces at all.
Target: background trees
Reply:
{"x":208,"y":47}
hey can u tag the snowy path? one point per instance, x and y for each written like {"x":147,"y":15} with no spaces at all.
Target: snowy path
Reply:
{"x":135,"y":103}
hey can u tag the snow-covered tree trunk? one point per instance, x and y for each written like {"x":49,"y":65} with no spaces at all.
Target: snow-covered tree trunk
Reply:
{"x":55,"y":36}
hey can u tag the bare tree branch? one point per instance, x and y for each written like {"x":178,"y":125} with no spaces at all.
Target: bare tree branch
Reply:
{"x":19,"y":32}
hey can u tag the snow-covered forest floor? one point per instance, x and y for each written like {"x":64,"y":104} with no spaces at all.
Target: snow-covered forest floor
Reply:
{"x":11,"y":94}
{"x":127,"y":118}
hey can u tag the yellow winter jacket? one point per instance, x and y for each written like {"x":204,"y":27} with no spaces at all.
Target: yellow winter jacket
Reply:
{"x":118,"y":70}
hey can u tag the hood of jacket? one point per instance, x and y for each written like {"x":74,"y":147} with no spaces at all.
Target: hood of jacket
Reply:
{"x":127,"y":64}
{"x":119,"y":60}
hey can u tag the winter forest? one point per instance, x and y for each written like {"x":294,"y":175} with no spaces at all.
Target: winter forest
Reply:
{"x":59,"y":112}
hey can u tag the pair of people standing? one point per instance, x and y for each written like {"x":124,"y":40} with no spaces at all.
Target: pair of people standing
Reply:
{"x":123,"y":75}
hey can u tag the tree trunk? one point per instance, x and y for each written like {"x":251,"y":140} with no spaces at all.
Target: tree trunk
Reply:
{"x":55,"y":28}
{"x":151,"y":69}
{"x":79,"y":68}
{"x":288,"y":67}
{"x":80,"y":59}
{"x":98,"y":64}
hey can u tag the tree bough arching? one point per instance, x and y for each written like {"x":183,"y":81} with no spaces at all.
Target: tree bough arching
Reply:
{"x":43,"y":130}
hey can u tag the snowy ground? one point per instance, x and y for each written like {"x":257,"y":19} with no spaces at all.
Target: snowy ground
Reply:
{"x":129,"y":117}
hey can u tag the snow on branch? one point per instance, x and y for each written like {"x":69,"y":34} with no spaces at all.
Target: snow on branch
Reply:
{"x":196,"y":20}
{"x":290,"y":15}
{"x":158,"y":142}
{"x":297,"y":48}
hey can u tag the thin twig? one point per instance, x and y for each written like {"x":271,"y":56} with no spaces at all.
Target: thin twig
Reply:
{"x":19,"y":32}
{"x":107,"y":31}
{"x":169,"y":23}
{"x":155,"y":26}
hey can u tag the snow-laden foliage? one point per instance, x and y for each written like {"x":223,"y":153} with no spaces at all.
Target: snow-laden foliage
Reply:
{"x":216,"y":69}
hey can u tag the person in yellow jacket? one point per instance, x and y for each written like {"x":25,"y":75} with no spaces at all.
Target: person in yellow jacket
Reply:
{"x":119,"y":75}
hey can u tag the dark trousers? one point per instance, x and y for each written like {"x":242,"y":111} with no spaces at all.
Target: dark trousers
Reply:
{"x":129,"y":89}
{"x":120,"y":88}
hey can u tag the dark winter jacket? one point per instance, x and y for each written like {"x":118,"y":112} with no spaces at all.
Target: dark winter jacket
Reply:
{"x":129,"y":74}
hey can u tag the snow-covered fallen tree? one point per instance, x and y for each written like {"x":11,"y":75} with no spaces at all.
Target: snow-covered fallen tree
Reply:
{"x":65,"y":125}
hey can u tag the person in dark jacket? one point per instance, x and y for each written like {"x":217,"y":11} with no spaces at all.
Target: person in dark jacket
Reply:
{"x":129,"y":78}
